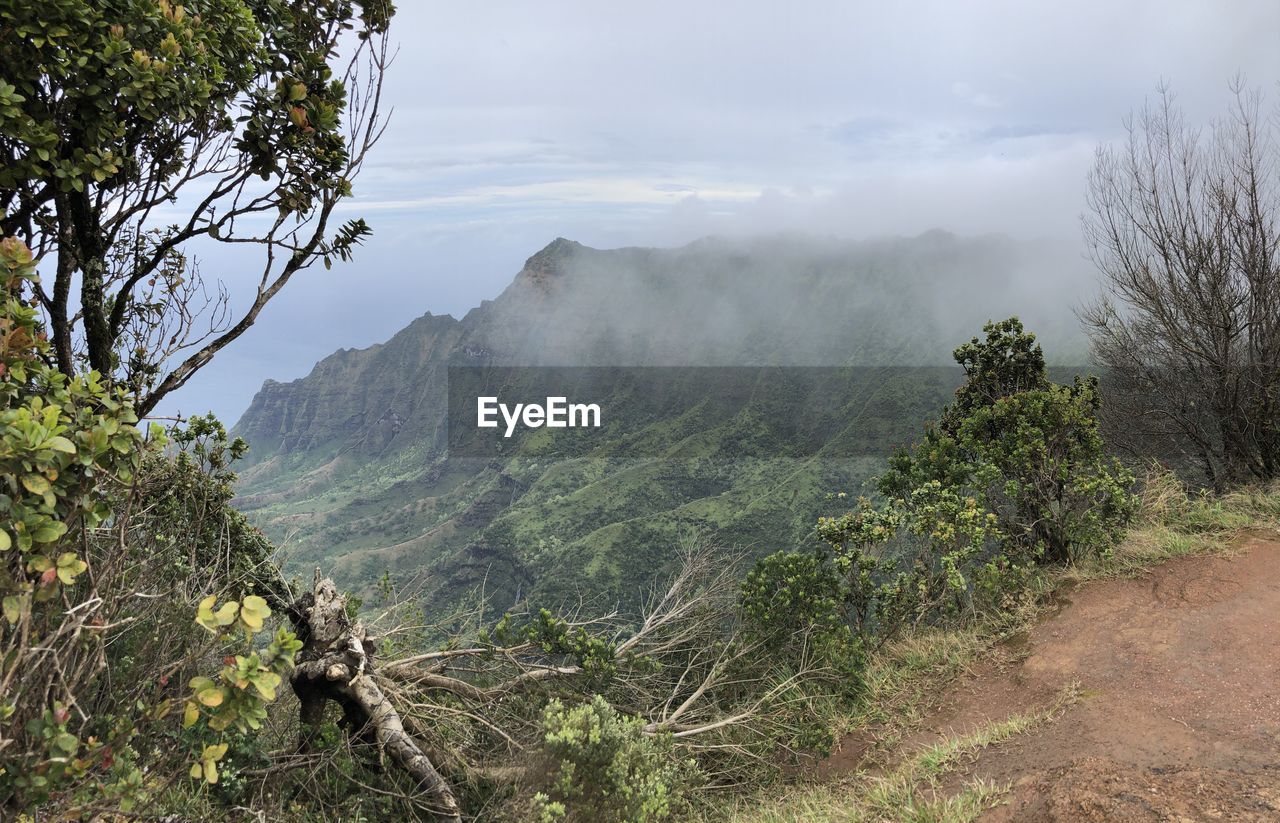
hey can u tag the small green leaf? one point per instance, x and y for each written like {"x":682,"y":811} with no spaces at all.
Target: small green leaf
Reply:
{"x":211,"y":620}
{"x":66,"y":742}
{"x":266,"y":684}
{"x":253,"y":611}
{"x":69,"y":567}
{"x":61,"y":444}
{"x":35,"y":483}
{"x":227,"y":614}
{"x":49,"y":532}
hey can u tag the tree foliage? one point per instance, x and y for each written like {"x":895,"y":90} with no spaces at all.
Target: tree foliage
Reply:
{"x":602,"y":766}
{"x":58,"y":433}
{"x":107,"y":545}
{"x":1014,"y":475}
{"x":797,"y":605}
{"x":238,"y":112}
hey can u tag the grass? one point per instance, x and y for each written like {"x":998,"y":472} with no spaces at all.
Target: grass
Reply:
{"x":1175,"y":522}
{"x":911,"y":791}
{"x":902,"y":677}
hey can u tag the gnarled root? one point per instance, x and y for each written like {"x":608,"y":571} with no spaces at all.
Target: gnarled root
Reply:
{"x":336,"y":663}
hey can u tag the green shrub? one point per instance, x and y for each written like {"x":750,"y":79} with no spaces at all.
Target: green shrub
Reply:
{"x":107,"y":545}
{"x":1027,"y":450}
{"x":68,"y":447}
{"x":65,"y":444}
{"x":604,"y":768}
{"x":1014,"y":475}
{"x":796,"y":605}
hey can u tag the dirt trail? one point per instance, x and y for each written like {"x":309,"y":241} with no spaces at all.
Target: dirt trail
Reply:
{"x":1179,"y":712}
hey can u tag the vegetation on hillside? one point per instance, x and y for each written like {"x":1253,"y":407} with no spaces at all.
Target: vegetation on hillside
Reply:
{"x":584,"y":715}
{"x":1172,"y":520}
{"x":349,"y":468}
{"x":164,"y":612}
{"x":148,"y":634}
{"x":135,"y":598}
{"x":1012,"y":477}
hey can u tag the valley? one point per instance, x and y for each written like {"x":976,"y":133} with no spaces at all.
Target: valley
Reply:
{"x":349,"y":470}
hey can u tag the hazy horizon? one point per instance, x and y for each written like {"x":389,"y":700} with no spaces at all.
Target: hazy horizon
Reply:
{"x":659,"y":125}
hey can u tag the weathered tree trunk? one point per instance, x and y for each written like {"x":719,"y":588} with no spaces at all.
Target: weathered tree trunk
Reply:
{"x":336,"y":663}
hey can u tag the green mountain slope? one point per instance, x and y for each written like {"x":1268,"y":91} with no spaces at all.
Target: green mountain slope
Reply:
{"x":349,"y":469}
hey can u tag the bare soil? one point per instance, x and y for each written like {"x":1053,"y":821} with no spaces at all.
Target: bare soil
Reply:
{"x":1178,"y":718}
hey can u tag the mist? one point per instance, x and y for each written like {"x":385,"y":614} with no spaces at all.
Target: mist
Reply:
{"x":781,"y":299}
{"x":661,"y":124}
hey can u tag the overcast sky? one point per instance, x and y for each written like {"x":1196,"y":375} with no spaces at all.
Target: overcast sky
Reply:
{"x":655,"y":123}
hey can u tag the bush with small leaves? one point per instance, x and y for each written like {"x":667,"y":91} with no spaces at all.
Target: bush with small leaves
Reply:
{"x":1028,"y":450}
{"x":555,"y":636}
{"x":65,"y":443}
{"x":68,"y":449}
{"x":796,"y":605}
{"x":1014,"y":475}
{"x":106,"y":545}
{"x":602,"y":767}
{"x":239,"y":696}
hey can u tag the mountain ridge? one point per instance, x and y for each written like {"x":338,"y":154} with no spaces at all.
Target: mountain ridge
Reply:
{"x":348,"y":465}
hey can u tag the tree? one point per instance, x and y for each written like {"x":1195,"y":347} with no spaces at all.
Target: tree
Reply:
{"x":107,"y":544}
{"x":1014,"y":475}
{"x":240,"y":113}
{"x":1029,"y":449}
{"x":1184,"y":228}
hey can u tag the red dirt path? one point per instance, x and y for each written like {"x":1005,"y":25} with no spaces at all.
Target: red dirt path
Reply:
{"x":1179,"y":715}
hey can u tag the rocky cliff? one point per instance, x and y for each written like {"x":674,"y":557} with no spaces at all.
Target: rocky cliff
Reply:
{"x":348,"y":466}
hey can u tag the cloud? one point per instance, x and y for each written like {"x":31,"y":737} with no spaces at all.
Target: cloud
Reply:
{"x":654,"y":123}
{"x":601,"y":190}
{"x":974,"y":97}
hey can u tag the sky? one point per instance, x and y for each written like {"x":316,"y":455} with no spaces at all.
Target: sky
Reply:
{"x":657,"y":123}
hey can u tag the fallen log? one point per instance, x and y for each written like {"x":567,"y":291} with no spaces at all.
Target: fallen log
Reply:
{"x":336,"y":664}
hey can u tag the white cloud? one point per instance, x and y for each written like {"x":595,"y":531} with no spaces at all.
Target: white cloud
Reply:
{"x":975,"y":97}
{"x":652,"y":123}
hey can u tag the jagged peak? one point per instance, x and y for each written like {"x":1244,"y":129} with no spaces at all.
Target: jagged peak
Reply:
{"x":554,"y":252}
{"x":542,"y":268}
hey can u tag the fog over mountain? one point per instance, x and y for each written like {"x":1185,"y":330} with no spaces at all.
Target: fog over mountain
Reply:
{"x":782,"y":300}
{"x":348,"y":466}
{"x":661,"y":123}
